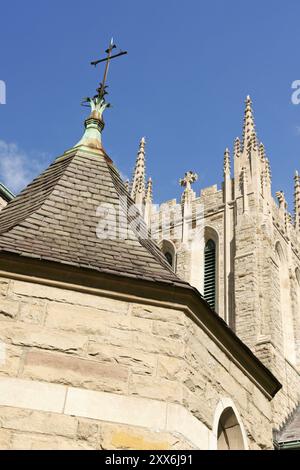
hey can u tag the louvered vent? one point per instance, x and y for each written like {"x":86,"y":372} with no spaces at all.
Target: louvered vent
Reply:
{"x":210,"y":273}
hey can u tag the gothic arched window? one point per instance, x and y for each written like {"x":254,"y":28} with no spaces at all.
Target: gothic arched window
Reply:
{"x":210,"y":273}
{"x":169,"y":250}
{"x":229,"y":432}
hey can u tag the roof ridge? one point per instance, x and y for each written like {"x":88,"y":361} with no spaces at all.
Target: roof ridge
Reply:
{"x":33,"y":189}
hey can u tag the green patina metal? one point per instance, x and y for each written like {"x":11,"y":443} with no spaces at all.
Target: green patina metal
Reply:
{"x":94,"y":124}
{"x":289,"y":445}
{"x":6,"y":194}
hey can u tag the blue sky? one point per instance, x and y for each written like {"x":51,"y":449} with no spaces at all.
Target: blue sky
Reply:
{"x":183,"y":83}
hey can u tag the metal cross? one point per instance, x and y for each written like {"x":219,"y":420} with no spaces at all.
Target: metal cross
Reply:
{"x":101,"y":89}
{"x":189,"y":178}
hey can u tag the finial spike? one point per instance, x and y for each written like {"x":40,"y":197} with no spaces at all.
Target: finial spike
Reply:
{"x":226,"y":162}
{"x":249,"y":126}
{"x":237,"y":148}
{"x":149,"y":192}
{"x":138,"y":187}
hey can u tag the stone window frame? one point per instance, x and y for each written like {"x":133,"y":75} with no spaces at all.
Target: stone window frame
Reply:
{"x":211,"y":233}
{"x":223,"y":405}
{"x":167,"y":246}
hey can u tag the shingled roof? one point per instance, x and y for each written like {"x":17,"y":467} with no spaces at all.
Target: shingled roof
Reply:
{"x":289,"y":435}
{"x":57,"y":216}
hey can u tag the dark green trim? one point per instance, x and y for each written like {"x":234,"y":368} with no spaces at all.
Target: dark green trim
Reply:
{"x":6,"y":193}
{"x":289,"y":445}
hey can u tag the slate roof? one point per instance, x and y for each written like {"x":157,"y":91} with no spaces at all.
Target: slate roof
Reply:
{"x":55,"y":218}
{"x":290,"y":432}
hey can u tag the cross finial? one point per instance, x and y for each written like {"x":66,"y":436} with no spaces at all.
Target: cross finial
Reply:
{"x":189,"y":178}
{"x":102,"y":87}
{"x":98,"y":103}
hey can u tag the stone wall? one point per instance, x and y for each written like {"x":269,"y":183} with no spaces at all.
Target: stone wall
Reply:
{"x":86,"y":371}
{"x":3,"y":203}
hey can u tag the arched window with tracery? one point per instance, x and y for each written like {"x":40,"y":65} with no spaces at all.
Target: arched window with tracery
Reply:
{"x":210,"y":273}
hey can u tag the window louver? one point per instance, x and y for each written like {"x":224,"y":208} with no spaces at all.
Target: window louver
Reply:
{"x":210,"y":273}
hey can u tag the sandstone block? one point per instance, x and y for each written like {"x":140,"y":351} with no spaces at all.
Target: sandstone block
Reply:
{"x":74,"y":371}
{"x":151,"y":343}
{"x":115,"y":408}
{"x":114,"y":436}
{"x":10,"y":359}
{"x":162,"y":328}
{"x":8,"y":308}
{"x":32,"y":395}
{"x":68,"y":317}
{"x":156,"y":388}
{"x":32,"y":312}
{"x":179,"y":418}
{"x":136,"y":361}
{"x":3,"y":286}
{"x":88,"y":430}
{"x":41,"y":442}
{"x":18,"y":333}
{"x":69,"y":296}
{"x":38,"y":422}
{"x":5,"y":439}
{"x":172,"y":368}
{"x":158,"y":313}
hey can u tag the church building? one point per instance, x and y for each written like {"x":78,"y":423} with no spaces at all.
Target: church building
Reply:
{"x":124,"y":326}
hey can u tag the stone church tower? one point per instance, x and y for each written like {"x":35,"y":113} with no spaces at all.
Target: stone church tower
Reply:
{"x":242,"y":252}
{"x":106,"y":341}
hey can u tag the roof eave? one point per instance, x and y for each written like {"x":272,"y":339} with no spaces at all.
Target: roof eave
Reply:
{"x":182,"y":294}
{"x":6,"y":193}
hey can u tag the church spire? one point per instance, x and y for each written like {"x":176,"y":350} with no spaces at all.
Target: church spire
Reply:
{"x":249,"y":134}
{"x":138,"y":186}
{"x":297,"y":201}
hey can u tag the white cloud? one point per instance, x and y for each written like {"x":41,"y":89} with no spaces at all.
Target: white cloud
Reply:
{"x":17,"y":168}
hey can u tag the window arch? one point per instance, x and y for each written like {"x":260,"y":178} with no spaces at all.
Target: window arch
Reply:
{"x":229,"y":435}
{"x":285,"y":304}
{"x":228,"y":432}
{"x":169,"y":250}
{"x":210,"y":273}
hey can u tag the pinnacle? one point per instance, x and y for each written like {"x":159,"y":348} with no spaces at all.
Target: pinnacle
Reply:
{"x":138,"y":181}
{"x":149,"y":192}
{"x":249,"y":126}
{"x":237,"y":147}
{"x":226,"y":161}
